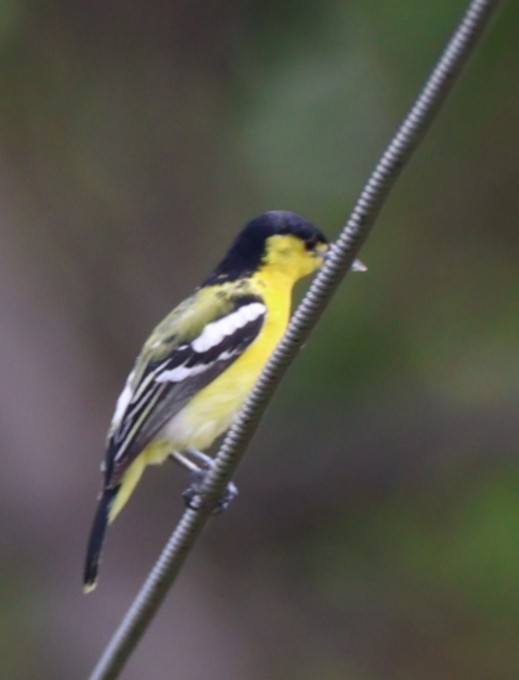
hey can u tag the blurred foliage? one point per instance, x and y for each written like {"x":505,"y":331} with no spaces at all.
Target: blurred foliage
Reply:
{"x":375,"y":536}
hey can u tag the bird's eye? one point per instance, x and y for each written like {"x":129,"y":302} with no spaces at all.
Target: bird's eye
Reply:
{"x":311,"y":242}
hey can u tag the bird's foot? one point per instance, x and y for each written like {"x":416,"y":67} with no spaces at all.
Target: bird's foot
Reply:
{"x":193,"y":498}
{"x":199,"y":464}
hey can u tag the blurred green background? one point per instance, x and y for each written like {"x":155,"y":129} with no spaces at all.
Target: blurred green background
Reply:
{"x":377,"y":532}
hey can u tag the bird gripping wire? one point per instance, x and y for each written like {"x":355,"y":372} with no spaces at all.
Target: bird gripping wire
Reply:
{"x":411,"y":131}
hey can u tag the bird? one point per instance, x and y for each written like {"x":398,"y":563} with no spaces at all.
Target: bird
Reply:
{"x":200,"y":363}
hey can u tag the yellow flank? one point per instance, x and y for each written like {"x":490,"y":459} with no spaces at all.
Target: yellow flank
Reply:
{"x":134,"y":472}
{"x":210,"y":412}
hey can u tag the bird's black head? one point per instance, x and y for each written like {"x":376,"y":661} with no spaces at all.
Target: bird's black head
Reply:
{"x":278,"y":238}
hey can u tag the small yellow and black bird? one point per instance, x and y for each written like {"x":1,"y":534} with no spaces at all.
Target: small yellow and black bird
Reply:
{"x":200,"y":363}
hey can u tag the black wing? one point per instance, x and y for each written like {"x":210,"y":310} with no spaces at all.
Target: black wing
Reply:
{"x":166,"y":384}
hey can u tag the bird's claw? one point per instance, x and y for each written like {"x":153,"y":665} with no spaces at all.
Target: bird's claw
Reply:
{"x":192,"y":495}
{"x":193,"y":498}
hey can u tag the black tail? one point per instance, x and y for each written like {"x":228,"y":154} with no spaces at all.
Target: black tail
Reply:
{"x":97,"y":536}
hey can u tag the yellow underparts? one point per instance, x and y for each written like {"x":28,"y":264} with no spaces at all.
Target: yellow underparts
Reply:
{"x":211,"y":411}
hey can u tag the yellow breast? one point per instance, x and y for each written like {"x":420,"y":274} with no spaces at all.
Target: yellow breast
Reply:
{"x":211,"y":411}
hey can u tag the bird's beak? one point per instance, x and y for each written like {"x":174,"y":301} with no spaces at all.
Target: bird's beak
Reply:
{"x":358,"y":266}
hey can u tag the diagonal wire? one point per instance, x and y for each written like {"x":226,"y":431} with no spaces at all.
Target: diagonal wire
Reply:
{"x":411,"y":131}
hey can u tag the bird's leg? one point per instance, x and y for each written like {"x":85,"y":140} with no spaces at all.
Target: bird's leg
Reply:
{"x":184,"y":461}
{"x":198,"y":464}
